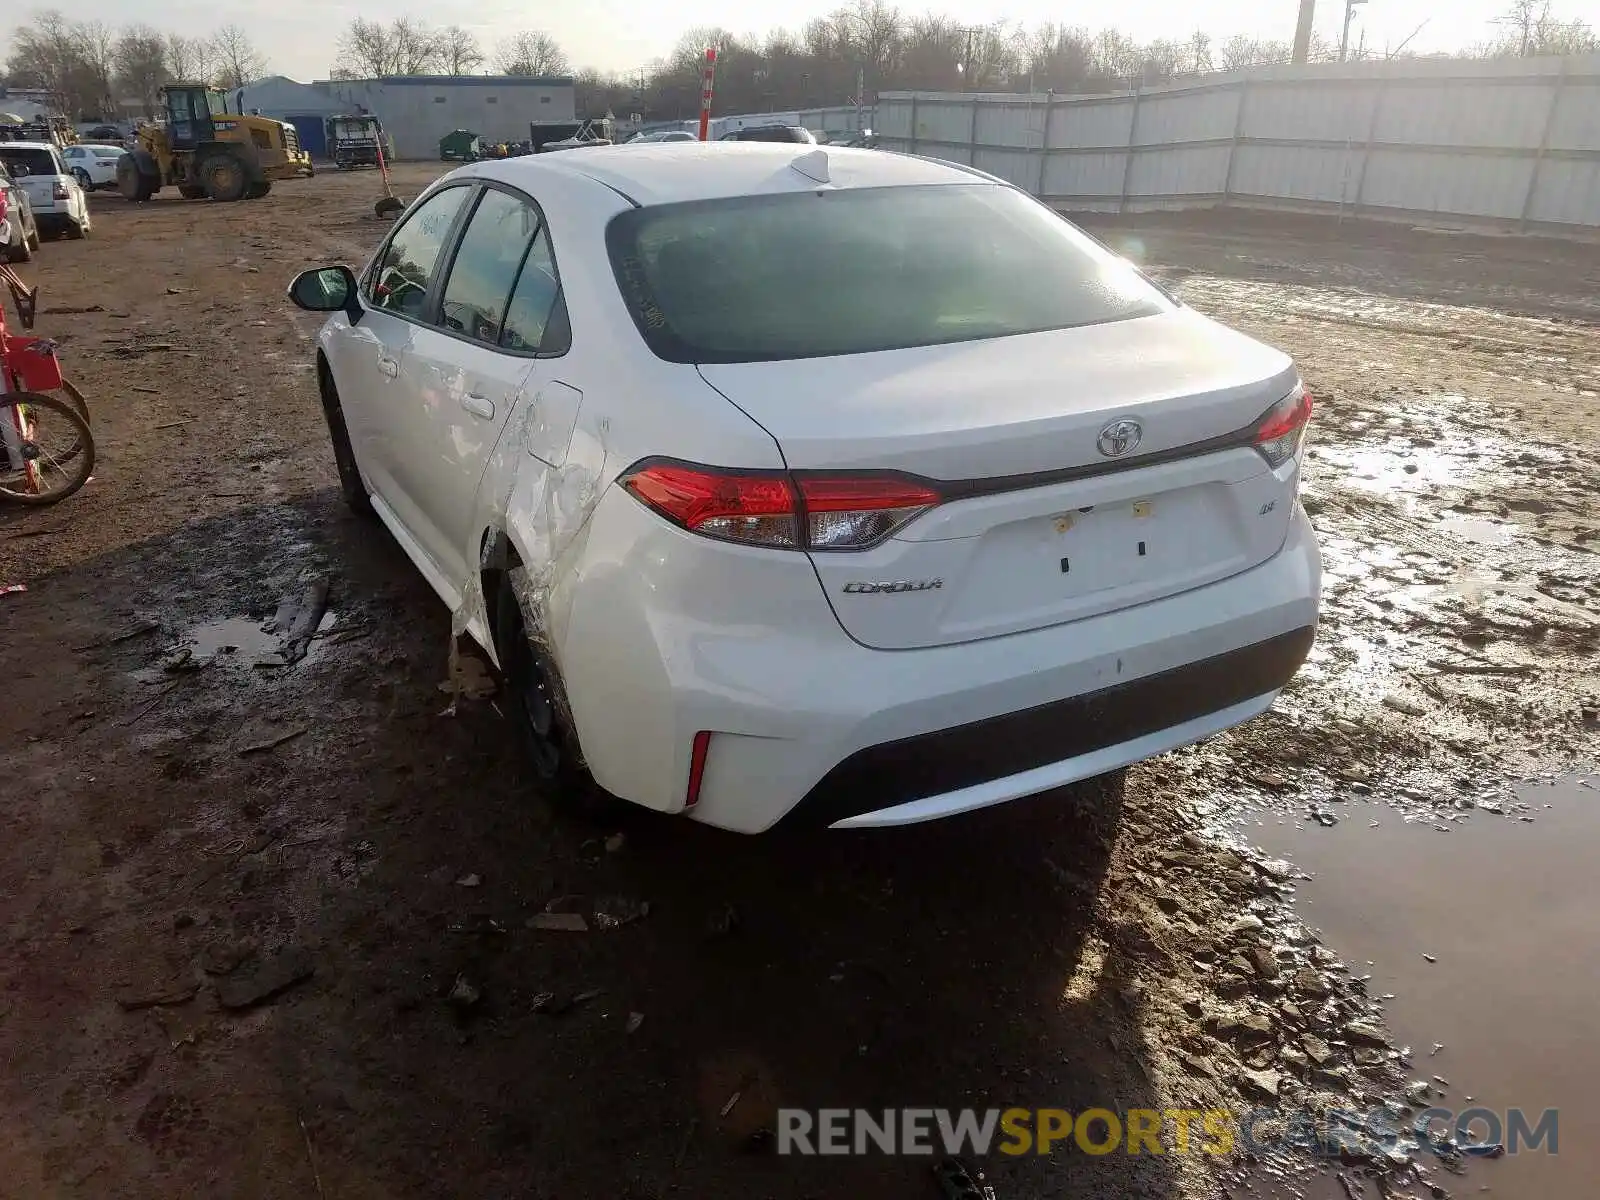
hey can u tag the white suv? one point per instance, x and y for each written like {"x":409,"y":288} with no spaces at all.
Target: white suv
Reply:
{"x":815,"y":485}
{"x":56,"y":198}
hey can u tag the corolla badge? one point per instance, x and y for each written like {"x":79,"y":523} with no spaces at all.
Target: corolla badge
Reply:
{"x":1119,"y":437}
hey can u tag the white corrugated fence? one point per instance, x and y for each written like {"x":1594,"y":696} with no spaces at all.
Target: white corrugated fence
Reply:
{"x":1506,"y":143}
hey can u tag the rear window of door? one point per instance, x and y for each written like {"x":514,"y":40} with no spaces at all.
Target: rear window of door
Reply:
{"x":486,"y":264}
{"x":31,"y":160}
{"x":536,"y":321}
{"x":404,"y":272}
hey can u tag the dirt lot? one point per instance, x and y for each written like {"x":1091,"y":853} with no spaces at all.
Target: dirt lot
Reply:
{"x":1118,"y":945}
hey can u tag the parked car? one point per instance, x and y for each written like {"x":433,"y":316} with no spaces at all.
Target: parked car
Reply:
{"x":793,"y":134}
{"x":59,"y":205}
{"x":19,"y":237}
{"x":856,"y":505}
{"x":663,"y":135}
{"x":94,"y":165}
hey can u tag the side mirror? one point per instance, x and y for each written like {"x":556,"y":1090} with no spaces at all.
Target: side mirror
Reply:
{"x":327,"y":289}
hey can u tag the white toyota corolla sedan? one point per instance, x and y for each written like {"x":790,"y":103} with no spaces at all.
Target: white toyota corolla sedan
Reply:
{"x":828,"y":486}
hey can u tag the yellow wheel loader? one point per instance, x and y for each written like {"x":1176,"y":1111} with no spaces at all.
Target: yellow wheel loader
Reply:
{"x":206,"y":152}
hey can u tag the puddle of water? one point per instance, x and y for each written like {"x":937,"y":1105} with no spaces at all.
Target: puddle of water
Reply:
{"x":1479,"y":531}
{"x":1507,"y":908}
{"x":242,"y":641}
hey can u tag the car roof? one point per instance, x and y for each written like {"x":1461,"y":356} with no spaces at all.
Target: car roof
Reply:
{"x":649,"y":173}
{"x":27,"y":145}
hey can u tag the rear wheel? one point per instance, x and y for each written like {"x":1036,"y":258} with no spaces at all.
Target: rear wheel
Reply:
{"x":83,"y":179}
{"x":189,"y":192}
{"x":224,"y":177}
{"x":258,"y":190}
{"x":538,"y":723}
{"x":20,"y":250}
{"x":46,"y":451}
{"x":78,"y":228}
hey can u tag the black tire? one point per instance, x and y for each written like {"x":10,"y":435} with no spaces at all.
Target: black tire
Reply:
{"x":225,"y":178}
{"x":257,"y":190}
{"x":77,"y":230}
{"x":539,"y":725}
{"x":137,"y":177}
{"x":81,"y":453}
{"x":20,"y":250}
{"x":83,"y":179}
{"x":189,"y":192}
{"x":344,"y":456}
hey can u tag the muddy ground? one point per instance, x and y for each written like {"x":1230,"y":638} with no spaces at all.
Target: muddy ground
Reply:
{"x":1117,"y":945}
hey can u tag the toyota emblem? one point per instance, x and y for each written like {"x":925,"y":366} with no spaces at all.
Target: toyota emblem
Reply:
{"x":1119,"y":437}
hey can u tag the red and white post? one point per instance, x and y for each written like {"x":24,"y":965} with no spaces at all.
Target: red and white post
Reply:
{"x":707,"y":79}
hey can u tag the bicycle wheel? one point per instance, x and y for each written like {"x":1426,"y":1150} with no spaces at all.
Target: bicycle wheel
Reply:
{"x":46,"y":449}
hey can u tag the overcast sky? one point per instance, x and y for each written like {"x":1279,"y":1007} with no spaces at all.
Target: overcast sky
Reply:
{"x":299,"y":36}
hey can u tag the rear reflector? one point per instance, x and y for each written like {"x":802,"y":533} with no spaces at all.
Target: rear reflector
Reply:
{"x":1280,"y":431}
{"x":697,"y":767}
{"x":853,"y":513}
{"x":790,"y":512}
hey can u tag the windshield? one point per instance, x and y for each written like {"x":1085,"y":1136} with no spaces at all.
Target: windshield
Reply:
{"x":32,"y":161}
{"x":818,"y":273}
{"x":218,"y":102}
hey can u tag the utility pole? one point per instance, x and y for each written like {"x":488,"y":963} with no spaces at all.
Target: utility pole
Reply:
{"x":1349,"y":15}
{"x":966,"y":63}
{"x":1302,"y":31}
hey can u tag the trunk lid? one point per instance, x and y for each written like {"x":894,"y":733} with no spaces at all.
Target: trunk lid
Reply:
{"x":1038,"y":525}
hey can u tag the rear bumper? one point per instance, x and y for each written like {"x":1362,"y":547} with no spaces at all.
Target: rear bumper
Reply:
{"x":810,"y":727}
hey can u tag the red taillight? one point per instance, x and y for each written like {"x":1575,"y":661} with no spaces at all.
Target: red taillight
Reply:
{"x":741,"y":507}
{"x":697,"y":767}
{"x":1279,"y":434}
{"x":59,"y":191}
{"x":765,"y":508}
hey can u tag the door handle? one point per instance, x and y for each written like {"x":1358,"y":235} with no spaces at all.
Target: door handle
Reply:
{"x":388,"y":366}
{"x":478,"y":406}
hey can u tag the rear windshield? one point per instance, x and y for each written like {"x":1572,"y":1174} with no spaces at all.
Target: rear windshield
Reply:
{"x":34,"y":162}
{"x":820,"y":273}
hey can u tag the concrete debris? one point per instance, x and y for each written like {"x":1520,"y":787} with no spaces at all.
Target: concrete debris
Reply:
{"x":269,"y":979}
{"x":464,"y":994}
{"x":1365,"y":1033}
{"x":1259,"y":1085}
{"x":635,"y":1019}
{"x":470,"y":880}
{"x":163,"y":998}
{"x":570,"y":922}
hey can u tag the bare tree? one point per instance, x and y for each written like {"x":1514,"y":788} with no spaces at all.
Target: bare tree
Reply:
{"x":364,"y":50}
{"x":97,"y":48}
{"x":415,"y":47}
{"x":141,"y":58}
{"x":45,"y":54}
{"x":459,"y":52}
{"x":532,"y":53}
{"x":189,"y":58}
{"x":237,"y":59}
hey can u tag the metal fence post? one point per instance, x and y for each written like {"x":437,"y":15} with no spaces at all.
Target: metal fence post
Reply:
{"x":1133,"y":138}
{"x":912,"y":149}
{"x":1044,"y":143}
{"x":1544,"y":146}
{"x":1238,"y":133}
{"x":972,"y":136}
{"x":1366,"y":155}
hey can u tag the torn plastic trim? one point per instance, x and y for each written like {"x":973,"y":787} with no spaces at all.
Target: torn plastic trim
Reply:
{"x":534,"y":514}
